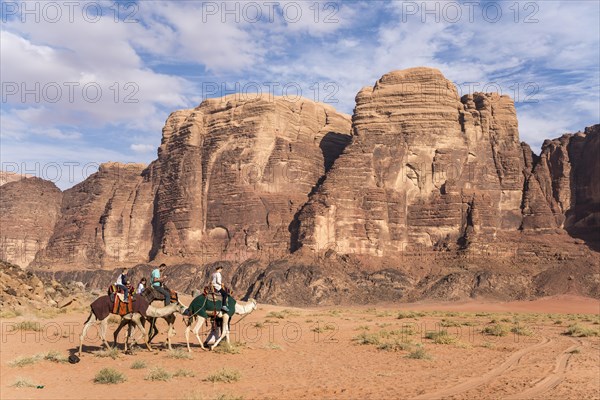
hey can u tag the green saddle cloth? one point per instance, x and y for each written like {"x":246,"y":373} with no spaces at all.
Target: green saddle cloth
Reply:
{"x":206,"y":306}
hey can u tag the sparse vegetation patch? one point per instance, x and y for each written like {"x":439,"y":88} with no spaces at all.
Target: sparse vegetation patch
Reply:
{"x":224,"y":375}
{"x":109,"y":376}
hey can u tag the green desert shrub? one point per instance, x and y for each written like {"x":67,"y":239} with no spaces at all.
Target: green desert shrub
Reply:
{"x":232,"y":348}
{"x":109,"y":376}
{"x":495,"y":330}
{"x":577,"y":330}
{"x":139,"y":364}
{"x":184,"y":373}
{"x":276,"y":314}
{"x":419,"y":353}
{"x":410,"y":314}
{"x":110,"y":353}
{"x":33,"y":326}
{"x":440,"y":337}
{"x":158,"y":374}
{"x":56,"y":356}
{"x":365,"y":338}
{"x":24,"y":360}
{"x":521,"y":330}
{"x":447,"y":323}
{"x":224,"y":375}
{"x":395,"y":345}
{"x":23,"y":383}
{"x":179,"y":354}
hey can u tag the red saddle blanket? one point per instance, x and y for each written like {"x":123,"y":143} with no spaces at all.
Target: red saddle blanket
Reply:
{"x":120,"y":307}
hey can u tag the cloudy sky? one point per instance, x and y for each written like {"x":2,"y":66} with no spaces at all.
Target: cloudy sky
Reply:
{"x":89,"y":82}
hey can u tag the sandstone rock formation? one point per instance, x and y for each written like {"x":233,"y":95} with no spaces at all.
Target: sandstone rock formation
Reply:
{"x":563,"y":188}
{"x":29,"y":209}
{"x":420,"y":194}
{"x":229,"y":178}
{"x":425,"y":167}
{"x":104,"y":221}
{"x":232,"y":173}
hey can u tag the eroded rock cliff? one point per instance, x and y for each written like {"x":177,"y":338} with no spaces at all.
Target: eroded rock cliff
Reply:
{"x":104,"y":221}
{"x":420,"y":194}
{"x":425,"y":167}
{"x":29,"y":209}
{"x":232,"y":173}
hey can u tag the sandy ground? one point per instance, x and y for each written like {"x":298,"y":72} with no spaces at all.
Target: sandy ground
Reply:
{"x":290,"y":353}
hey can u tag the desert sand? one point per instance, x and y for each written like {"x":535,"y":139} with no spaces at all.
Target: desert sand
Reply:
{"x":334,"y":352}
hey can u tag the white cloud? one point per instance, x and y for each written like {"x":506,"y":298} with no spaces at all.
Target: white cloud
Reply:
{"x":142,"y":148}
{"x":176,"y":47}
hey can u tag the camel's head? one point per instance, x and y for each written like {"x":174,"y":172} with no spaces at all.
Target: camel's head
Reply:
{"x":180,"y":307}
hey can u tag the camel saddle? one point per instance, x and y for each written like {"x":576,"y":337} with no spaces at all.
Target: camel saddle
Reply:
{"x":174,"y":295}
{"x":209,"y":291}
{"x":119,"y":306}
{"x":116,"y":289}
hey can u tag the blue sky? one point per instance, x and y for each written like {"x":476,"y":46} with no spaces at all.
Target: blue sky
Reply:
{"x":89,"y":82}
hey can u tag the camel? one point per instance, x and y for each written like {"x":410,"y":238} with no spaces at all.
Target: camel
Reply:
{"x":101,"y":308}
{"x":199,"y":311}
{"x":152,"y":295}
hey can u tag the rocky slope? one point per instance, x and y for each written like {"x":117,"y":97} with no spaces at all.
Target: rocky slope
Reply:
{"x":7,"y":177}
{"x":301,"y":200}
{"x":21,"y":290}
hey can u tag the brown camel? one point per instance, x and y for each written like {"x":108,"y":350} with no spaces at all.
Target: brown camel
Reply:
{"x":151,"y":295}
{"x":101,"y":308}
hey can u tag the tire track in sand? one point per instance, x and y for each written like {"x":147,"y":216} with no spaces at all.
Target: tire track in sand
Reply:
{"x":511,"y":361}
{"x":554,"y":377}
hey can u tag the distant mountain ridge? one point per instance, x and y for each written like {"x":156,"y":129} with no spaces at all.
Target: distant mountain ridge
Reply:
{"x":415,"y":169}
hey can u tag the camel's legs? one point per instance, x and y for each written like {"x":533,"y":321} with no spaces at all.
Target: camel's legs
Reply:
{"x":224,"y":333}
{"x":137,"y":319}
{"x":133,"y":329}
{"x":171,"y":331}
{"x":127,"y":335}
{"x":103,"y":326}
{"x":153,"y":330}
{"x":130,"y":331}
{"x":197,"y":331}
{"x":199,"y":321}
{"x":188,"y":327}
{"x":118,"y":330}
{"x":186,"y":332}
{"x":90,"y":320}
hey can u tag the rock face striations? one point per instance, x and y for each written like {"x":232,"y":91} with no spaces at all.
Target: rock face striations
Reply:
{"x":104,"y":220}
{"x":564,"y":185}
{"x":29,"y":210}
{"x":230,"y":176}
{"x":425,"y":167}
{"x":333,"y":202}
{"x":232,"y":173}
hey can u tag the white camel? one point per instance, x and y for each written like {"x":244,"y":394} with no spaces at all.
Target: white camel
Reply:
{"x":101,"y":309}
{"x":241,"y":308}
{"x":153,"y":314}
